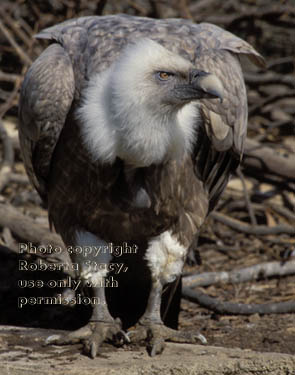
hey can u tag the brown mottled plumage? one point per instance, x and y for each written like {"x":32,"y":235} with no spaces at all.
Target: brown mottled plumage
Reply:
{"x":84,"y":193}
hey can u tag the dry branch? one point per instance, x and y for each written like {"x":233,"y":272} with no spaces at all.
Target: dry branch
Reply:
{"x":269,"y":78}
{"x":9,"y":77}
{"x":251,"y":229}
{"x":270,"y":14}
{"x":256,"y":108}
{"x":19,"y":178}
{"x":236,"y":308}
{"x":16,"y":29}
{"x":265,"y":159}
{"x":243,"y":275}
{"x":26,"y":229}
{"x":247,"y":198}
{"x":283,"y":211}
{"x":22,"y":54}
{"x":8,"y":157}
{"x":10,"y":100}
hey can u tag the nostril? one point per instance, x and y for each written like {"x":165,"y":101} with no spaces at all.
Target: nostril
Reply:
{"x":195,"y":74}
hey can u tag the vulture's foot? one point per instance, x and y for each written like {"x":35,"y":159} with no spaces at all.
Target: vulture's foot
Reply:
{"x":156,"y":334}
{"x":92,"y":335}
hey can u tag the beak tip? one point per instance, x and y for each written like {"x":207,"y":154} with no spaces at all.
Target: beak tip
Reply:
{"x":211,"y":85}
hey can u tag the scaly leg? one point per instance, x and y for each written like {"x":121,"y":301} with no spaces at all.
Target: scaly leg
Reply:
{"x":165,"y":259}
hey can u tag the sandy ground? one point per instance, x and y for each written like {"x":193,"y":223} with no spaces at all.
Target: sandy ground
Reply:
{"x":22,"y":353}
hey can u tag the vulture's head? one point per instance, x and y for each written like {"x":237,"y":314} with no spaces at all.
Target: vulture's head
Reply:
{"x":150,"y":77}
{"x":144,"y":108}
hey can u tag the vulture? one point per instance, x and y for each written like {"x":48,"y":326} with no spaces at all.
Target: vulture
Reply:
{"x":130,"y":128}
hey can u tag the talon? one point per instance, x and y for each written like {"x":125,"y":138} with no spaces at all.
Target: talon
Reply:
{"x":51,"y":340}
{"x":93,"y":350}
{"x":92,"y":336}
{"x":156,"y":335}
{"x":202,"y":338}
{"x":123,"y":338}
{"x":156,"y":347}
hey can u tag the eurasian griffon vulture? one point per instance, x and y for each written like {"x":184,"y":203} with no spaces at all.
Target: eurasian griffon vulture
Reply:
{"x":130,"y":128}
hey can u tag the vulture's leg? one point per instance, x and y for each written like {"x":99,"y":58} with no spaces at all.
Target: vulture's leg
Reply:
{"x":165,"y":257}
{"x":101,"y":327}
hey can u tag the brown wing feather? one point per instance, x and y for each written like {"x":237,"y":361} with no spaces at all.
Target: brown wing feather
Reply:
{"x":46,"y":97}
{"x":220,"y":144}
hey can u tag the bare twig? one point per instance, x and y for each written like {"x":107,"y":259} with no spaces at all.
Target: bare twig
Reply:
{"x":100,"y":6}
{"x":250,"y":229}
{"x":184,"y":10}
{"x":29,"y":230}
{"x":7,"y":237}
{"x":16,"y":29}
{"x":288,"y":201}
{"x":264,"y":158}
{"x":269,"y":78}
{"x":280,"y":61}
{"x":270,"y":14}
{"x":18,"y":178}
{"x":243,"y":275}
{"x":22,"y":54}
{"x":247,"y":198}
{"x":139,"y":8}
{"x":282,"y":211}
{"x":197,"y":7}
{"x":9,"y":77}
{"x":236,"y":308}
{"x":8,"y":158}
{"x":270,"y":99}
{"x":26,"y":228}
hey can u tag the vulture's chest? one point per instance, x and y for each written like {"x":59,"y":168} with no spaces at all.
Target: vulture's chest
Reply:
{"x":119,"y":203}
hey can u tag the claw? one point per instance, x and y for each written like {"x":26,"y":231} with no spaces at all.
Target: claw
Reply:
{"x":93,"y":350}
{"x":123,"y":338}
{"x":155,"y":345}
{"x":51,"y":340}
{"x":92,"y":335}
{"x":202,"y":338}
{"x":156,"y":335}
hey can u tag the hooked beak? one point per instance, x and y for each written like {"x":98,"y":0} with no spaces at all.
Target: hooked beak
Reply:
{"x":202,"y":85}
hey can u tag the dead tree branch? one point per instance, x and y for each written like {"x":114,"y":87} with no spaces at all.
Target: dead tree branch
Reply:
{"x":22,"y":54}
{"x":254,"y":109}
{"x":236,"y":308}
{"x":8,"y":158}
{"x":265,"y":159}
{"x":255,"y":272}
{"x":269,"y":78}
{"x":250,"y":229}
{"x":247,"y":198}
{"x":28,"y":230}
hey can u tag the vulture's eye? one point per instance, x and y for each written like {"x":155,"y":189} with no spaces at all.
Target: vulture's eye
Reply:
{"x":164,"y":76}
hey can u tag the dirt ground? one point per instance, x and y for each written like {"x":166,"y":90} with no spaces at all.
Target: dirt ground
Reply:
{"x":27,"y":357}
{"x":266,"y":333}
